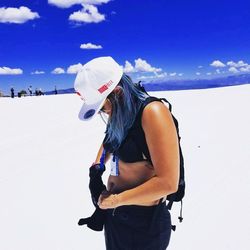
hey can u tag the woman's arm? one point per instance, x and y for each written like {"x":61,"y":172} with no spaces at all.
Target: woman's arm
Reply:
{"x":162,"y":141}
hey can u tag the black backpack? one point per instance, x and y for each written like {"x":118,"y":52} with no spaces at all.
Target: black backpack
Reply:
{"x":179,"y":195}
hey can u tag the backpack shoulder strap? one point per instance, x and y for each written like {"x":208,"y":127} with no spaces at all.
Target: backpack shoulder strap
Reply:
{"x":149,"y":100}
{"x":143,"y":105}
{"x":169,"y":104}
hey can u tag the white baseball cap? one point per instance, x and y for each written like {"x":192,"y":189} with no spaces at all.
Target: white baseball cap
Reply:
{"x":94,"y":82}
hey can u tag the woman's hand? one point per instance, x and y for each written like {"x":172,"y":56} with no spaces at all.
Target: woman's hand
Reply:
{"x":108,"y":200}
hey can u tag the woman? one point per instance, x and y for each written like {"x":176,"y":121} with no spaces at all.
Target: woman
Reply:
{"x":141,"y":140}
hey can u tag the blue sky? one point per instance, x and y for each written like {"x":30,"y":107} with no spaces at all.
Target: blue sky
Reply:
{"x":44,"y":42}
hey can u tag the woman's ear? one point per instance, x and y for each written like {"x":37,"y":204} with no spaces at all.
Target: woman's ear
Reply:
{"x":118,"y":90}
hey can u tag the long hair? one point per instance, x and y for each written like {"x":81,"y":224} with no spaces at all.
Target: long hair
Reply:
{"x":125,"y":106}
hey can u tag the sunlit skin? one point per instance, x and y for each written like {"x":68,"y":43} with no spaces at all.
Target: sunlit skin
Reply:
{"x":141,"y":183}
{"x":130,"y":174}
{"x":107,"y":107}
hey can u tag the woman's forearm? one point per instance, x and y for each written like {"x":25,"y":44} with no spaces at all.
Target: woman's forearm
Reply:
{"x":151,"y":190}
{"x":99,"y":154}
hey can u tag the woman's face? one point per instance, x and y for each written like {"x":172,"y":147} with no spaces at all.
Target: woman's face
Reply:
{"x":107,"y":107}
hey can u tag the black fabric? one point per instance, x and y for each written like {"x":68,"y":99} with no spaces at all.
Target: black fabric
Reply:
{"x":96,"y":187}
{"x":134,"y":147}
{"x":134,"y":144}
{"x":138,"y":228}
{"x":141,"y":142}
{"x":95,"y":221}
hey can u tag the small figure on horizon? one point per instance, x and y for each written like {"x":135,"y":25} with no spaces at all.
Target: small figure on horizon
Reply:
{"x":30,"y":90}
{"x":12,"y":92}
{"x":40,"y":92}
{"x":56,"y":91}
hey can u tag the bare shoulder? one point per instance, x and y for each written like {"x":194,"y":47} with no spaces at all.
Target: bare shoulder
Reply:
{"x":161,"y":138}
{"x":156,"y":112}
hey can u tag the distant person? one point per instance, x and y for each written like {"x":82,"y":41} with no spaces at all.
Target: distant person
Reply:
{"x":55,"y":90}
{"x":30,"y":90}
{"x":141,"y":140}
{"x":40,"y":92}
{"x":12,"y":92}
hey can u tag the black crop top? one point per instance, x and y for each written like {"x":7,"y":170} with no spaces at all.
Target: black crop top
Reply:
{"x":134,"y":147}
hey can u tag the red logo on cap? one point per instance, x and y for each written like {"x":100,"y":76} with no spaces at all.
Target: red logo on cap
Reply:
{"x":105,"y":86}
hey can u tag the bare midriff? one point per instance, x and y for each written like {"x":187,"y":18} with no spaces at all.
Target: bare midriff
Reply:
{"x":130,"y":176}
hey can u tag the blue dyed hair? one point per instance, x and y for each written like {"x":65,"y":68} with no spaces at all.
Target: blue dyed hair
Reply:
{"x":125,"y":106}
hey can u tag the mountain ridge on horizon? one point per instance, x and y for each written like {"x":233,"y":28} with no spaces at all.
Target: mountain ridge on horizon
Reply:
{"x":183,"y":84}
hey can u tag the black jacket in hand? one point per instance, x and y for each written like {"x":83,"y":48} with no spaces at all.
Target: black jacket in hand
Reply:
{"x":96,"y":187}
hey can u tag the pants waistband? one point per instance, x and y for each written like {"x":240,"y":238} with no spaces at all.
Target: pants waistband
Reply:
{"x":137,"y":209}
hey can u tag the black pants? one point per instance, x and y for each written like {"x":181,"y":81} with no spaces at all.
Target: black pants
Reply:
{"x":138,"y":228}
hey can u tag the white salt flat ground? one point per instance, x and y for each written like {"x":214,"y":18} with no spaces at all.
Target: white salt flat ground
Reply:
{"x":45,"y":153}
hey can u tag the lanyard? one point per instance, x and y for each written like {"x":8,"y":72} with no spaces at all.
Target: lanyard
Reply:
{"x":114,"y":166}
{"x":102,"y":160}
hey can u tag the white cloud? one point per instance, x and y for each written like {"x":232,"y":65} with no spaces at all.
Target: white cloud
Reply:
{"x":245,"y":69}
{"x":89,"y":14}
{"x":233,"y":70}
{"x":128,"y":68}
{"x":73,"y":69}
{"x":217,"y":64}
{"x":237,"y":65}
{"x":209,"y":73}
{"x":218,"y":71}
{"x":162,"y":75}
{"x":142,"y":65}
{"x":153,"y":78}
{"x":58,"y":71}
{"x":199,"y":67}
{"x":90,"y":46}
{"x":37,"y":72}
{"x":17,"y":15}
{"x":64,"y":3}
{"x":197,"y":73}
{"x":157,"y":77}
{"x":145,"y":78}
{"x":69,"y":3}
{"x":9,"y":71}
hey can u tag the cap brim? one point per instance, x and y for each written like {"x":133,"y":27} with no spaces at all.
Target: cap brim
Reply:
{"x":88,"y":111}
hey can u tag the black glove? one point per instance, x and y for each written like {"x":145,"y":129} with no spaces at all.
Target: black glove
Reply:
{"x":96,"y":185}
{"x":96,"y":221}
